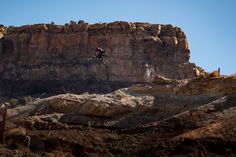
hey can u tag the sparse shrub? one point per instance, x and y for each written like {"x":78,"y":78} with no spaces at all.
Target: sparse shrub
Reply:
{"x":25,"y":100}
{"x":81,"y":22}
{"x":13,"y":101}
{"x":72,"y":22}
{"x":22,"y":101}
{"x":29,"y":98}
{"x":214,"y":74}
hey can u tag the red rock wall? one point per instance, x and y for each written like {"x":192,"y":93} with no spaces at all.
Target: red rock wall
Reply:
{"x":135,"y":51}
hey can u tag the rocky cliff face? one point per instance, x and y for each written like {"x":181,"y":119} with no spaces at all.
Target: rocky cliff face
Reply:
{"x":136,"y":52}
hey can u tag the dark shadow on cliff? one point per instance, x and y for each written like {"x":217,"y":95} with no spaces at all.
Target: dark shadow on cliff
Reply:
{"x":40,"y":88}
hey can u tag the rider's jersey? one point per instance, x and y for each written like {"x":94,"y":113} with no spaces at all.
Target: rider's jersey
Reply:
{"x":101,"y":52}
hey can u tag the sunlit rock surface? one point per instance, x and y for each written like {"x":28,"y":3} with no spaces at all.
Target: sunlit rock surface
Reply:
{"x":135,"y":52}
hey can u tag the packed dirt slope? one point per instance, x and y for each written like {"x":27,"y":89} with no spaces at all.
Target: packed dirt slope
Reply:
{"x":191,"y":117}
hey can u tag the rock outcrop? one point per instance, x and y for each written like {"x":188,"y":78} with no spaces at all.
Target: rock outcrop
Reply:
{"x":127,"y":107}
{"x":215,"y":86}
{"x":166,"y":118}
{"x":136,"y":52}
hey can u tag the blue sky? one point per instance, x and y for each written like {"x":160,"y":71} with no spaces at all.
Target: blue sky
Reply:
{"x":210,"y":25}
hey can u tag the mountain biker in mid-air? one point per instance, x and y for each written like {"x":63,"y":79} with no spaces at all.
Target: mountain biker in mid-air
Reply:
{"x":99,"y":54}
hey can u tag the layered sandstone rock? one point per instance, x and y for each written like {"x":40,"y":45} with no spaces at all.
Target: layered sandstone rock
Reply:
{"x":136,"y":52}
